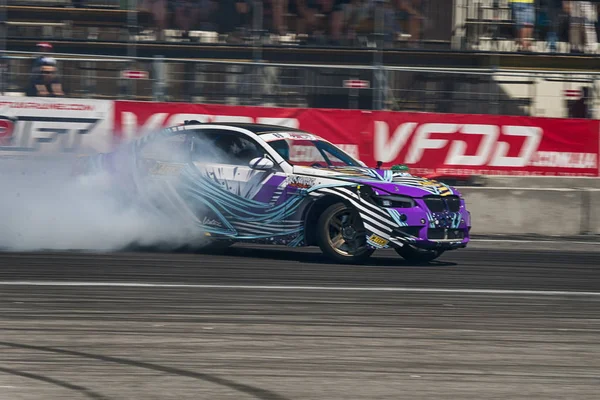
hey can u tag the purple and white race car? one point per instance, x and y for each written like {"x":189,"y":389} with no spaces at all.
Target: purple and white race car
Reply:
{"x":271,"y":184}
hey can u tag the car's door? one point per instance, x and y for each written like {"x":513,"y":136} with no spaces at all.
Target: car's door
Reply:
{"x":160,"y":160}
{"x":239,"y":198}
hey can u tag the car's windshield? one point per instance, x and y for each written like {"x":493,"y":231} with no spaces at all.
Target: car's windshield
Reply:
{"x":309,"y":152}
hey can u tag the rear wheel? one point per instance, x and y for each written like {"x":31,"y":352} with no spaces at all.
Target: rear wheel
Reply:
{"x":341,"y":235}
{"x":419,"y":256}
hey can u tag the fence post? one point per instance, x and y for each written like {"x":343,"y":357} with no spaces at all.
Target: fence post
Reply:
{"x":594,"y":100}
{"x":159,"y":82}
{"x":132,"y":25}
{"x":379,"y":81}
{"x":3,"y":27}
{"x":495,"y":89}
{"x":3,"y":59}
{"x":257,"y":37}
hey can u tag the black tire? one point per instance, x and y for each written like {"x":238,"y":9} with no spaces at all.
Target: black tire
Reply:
{"x":418,"y":256}
{"x":349,"y":249}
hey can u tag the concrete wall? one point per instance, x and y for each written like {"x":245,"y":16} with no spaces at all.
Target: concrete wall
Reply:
{"x":561,"y":182}
{"x":533,"y":211}
{"x":594,"y":209}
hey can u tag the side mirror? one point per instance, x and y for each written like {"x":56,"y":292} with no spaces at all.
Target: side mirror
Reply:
{"x":261,"y":163}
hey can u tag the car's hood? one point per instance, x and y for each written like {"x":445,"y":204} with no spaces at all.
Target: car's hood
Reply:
{"x":392,"y":182}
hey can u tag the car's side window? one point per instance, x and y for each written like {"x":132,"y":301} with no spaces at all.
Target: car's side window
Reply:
{"x":172,"y":149}
{"x":224,"y":147}
{"x":203,"y":147}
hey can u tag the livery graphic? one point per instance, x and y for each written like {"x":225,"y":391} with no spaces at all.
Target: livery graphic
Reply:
{"x":239,"y":183}
{"x":300,"y":182}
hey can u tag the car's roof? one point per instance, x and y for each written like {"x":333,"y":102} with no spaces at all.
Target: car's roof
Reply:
{"x":258,"y":129}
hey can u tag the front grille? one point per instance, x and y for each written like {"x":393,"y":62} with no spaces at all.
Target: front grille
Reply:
{"x":435,"y":204}
{"x":445,"y":234}
{"x":441,"y":204}
{"x":453,"y":203}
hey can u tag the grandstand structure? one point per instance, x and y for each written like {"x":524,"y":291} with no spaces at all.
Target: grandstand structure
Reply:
{"x":460,"y":58}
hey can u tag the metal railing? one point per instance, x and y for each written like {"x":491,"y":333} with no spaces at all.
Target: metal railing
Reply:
{"x":370,"y":87}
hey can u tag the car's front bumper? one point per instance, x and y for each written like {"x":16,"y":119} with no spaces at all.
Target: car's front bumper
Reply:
{"x":422,"y":228}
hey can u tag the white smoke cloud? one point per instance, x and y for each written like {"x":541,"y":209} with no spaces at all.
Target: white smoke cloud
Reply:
{"x":44,"y":207}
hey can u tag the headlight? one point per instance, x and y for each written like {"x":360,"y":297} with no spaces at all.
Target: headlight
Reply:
{"x":395,"y":201}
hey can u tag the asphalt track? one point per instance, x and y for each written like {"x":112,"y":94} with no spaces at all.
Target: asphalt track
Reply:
{"x":508,"y":320}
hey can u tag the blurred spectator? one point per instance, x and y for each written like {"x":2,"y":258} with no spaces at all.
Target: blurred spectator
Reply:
{"x":360,"y":19}
{"x":276,"y":9}
{"x":44,"y":50}
{"x":321,"y":16}
{"x":583,"y":15}
{"x":232,"y":16}
{"x":411,"y":14}
{"x":46,"y":82}
{"x":159,"y":11}
{"x":551,"y":15}
{"x":523,"y":12}
{"x":187,"y":14}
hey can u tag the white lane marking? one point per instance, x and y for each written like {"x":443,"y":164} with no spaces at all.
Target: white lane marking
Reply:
{"x":303,"y":288}
{"x":541,"y":241}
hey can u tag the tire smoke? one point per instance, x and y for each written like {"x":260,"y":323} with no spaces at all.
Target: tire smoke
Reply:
{"x":44,"y":207}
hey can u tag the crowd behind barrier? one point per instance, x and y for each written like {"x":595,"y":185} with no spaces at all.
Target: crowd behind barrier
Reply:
{"x":503,"y":25}
{"x":327,"y":22}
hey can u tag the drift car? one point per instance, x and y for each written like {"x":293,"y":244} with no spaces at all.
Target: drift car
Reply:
{"x":271,"y":184}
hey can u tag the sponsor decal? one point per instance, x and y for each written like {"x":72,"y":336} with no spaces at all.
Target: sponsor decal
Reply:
{"x":211,"y":222}
{"x":377,"y":241}
{"x":28,"y":133}
{"x":564,"y":159}
{"x":55,"y":125}
{"x":46,"y":106}
{"x":463,"y":145}
{"x":491,"y":149}
{"x":300,"y":182}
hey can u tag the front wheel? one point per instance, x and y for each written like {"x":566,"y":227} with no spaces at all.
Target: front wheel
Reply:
{"x":342,"y":236}
{"x":418,"y":256}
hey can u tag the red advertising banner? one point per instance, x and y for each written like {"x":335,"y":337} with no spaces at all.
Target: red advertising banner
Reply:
{"x":431,"y":144}
{"x":458,"y":145}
